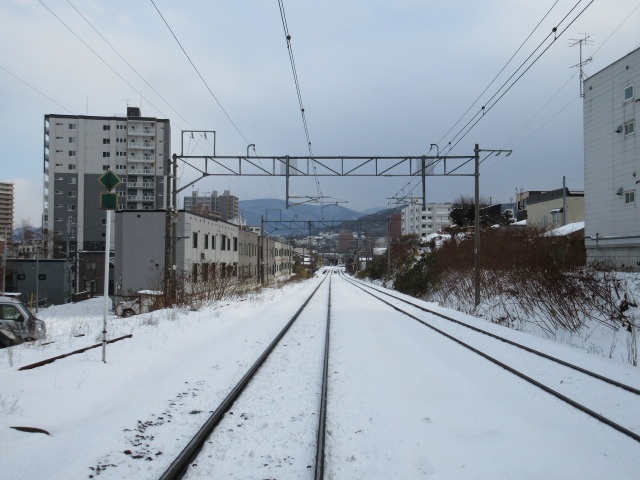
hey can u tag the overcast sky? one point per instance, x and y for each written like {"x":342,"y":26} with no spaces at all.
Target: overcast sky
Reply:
{"x":376,"y":77}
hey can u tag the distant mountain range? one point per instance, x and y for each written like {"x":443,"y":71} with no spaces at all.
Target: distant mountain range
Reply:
{"x":272,"y":209}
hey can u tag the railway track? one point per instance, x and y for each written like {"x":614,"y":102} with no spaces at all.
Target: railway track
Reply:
{"x":278,"y":423}
{"x":236,"y":416}
{"x":583,"y":390}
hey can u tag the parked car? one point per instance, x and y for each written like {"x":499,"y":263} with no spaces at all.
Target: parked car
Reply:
{"x":18,"y":324}
{"x":144,"y":301}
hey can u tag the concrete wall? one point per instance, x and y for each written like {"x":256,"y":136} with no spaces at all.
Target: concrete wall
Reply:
{"x":539,"y":213}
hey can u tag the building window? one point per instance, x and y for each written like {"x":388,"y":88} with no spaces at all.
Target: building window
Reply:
{"x":72,"y":166}
{"x":235,"y":244}
{"x":106,"y":127}
{"x":106,"y":141}
{"x":121,"y":140}
{"x":629,"y":127}
{"x":58,"y":192}
{"x":121,"y":167}
{"x":121,"y":154}
{"x":72,"y":180}
{"x":73,"y":126}
{"x":213,"y":242}
{"x":555,"y":218}
{"x":630,"y":197}
{"x":223,"y":242}
{"x":72,"y":139}
{"x":58,"y":219}
{"x":72,"y":194}
{"x":121,"y":126}
{"x":72,"y":208}
{"x":195,"y":240}
{"x":72,"y":153}
{"x":205,"y":272}
{"x":195,"y":272}
{"x":105,"y":167}
{"x":206,"y":241}
{"x":628,"y":93}
{"x":106,"y":154}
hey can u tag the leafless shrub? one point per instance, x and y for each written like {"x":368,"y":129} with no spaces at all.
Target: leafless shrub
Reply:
{"x":527,"y":277}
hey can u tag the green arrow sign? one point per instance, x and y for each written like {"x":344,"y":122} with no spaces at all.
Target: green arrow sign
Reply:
{"x":110,"y":180}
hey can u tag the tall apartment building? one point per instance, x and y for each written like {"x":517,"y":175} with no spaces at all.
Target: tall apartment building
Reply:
{"x":612,"y":163}
{"x":6,"y":209}
{"x":226,"y":205}
{"x":422,"y":221}
{"x":78,"y":149}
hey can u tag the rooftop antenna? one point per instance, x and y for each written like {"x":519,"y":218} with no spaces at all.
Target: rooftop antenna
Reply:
{"x":581,"y":42}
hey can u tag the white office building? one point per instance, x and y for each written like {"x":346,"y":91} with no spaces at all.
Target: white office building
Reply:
{"x":422,"y":221}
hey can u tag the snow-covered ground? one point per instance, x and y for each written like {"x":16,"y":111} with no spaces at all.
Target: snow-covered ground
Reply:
{"x":403,"y":402}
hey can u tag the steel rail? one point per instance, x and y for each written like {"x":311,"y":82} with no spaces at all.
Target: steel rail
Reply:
{"x":322,"y":421}
{"x":608,"y":380}
{"x":518,"y":373}
{"x":180,"y":464}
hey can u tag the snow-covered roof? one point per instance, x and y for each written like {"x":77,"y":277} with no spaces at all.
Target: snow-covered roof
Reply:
{"x":566,"y":229}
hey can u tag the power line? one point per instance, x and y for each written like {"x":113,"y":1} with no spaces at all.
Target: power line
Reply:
{"x":500,"y":72}
{"x":35,"y":89}
{"x":480,"y":114}
{"x":486,"y":109}
{"x":100,"y":58}
{"x":199,"y":74}
{"x":128,"y":64}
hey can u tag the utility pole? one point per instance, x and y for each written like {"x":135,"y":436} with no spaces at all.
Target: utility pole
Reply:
{"x":4,"y":261}
{"x":174,"y":229}
{"x":476,"y":221}
{"x":564,"y":200}
{"x":261,"y":252}
{"x":68,"y":262}
{"x":389,"y":246}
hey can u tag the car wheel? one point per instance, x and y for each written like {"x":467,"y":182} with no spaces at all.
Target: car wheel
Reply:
{"x":7,"y":339}
{"x":128,"y":313}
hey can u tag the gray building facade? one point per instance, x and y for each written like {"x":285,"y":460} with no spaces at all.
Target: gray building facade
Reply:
{"x":612,"y":163}
{"x":78,"y":150}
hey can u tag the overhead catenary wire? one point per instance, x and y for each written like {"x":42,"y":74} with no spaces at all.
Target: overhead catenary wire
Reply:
{"x":287,"y":35}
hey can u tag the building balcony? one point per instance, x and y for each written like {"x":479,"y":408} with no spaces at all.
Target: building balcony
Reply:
{"x":141,"y":198}
{"x":142,"y":131}
{"x":147,"y":145}
{"x":140,"y":171}
{"x":141,"y":185}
